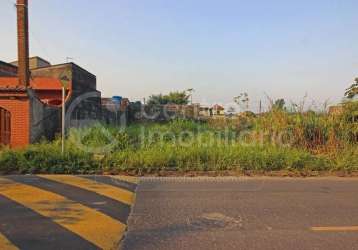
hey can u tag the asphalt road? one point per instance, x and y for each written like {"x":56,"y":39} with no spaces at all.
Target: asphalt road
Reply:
{"x":64,"y":211}
{"x":91,"y":212}
{"x":244,"y":213}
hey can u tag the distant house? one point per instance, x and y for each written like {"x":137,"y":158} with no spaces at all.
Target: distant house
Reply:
{"x":339,"y":108}
{"x":115,"y":109}
{"x":115,"y":104}
{"x":218,"y":110}
{"x":205,"y":111}
{"x":335,"y":110}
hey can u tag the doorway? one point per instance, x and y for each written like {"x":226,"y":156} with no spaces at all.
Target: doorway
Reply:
{"x":5,"y":126}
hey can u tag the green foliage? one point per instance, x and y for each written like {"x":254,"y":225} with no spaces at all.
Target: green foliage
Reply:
{"x":352,"y":91}
{"x":312,"y":131}
{"x":279,"y":104}
{"x":346,"y":160}
{"x":215,"y":157}
{"x":47,"y":158}
{"x":99,"y":139}
{"x":345,"y":125}
{"x":276,"y":140}
{"x":11,"y":161}
{"x":242,"y":100}
{"x":176,"y":97}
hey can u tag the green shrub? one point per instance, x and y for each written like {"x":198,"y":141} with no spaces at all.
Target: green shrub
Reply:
{"x":216,"y":157}
{"x":318,"y":143}
{"x":12,"y":161}
{"x":47,"y":158}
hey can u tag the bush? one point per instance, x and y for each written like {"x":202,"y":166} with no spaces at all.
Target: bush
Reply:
{"x":47,"y":158}
{"x":216,"y":157}
{"x":316,"y":142}
{"x":12,"y":161}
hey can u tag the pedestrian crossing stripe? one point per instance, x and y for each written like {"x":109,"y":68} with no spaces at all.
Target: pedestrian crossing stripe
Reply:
{"x":5,"y":244}
{"x":335,"y":229}
{"x":130,"y":179}
{"x":112,"y":192}
{"x":97,"y":228}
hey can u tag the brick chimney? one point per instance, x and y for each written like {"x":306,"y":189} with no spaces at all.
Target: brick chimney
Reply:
{"x":23,"y":42}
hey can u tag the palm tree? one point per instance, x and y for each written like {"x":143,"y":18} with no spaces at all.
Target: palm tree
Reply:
{"x":191,"y":91}
{"x":352,"y":91}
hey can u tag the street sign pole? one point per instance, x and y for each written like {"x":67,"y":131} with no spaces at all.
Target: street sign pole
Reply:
{"x":64,"y":79}
{"x":63,"y":121}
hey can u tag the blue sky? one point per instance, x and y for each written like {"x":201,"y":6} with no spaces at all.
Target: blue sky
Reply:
{"x":219,"y":48}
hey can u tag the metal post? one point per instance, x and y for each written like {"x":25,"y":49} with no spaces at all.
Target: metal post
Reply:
{"x":63,"y":120}
{"x":260,"y":107}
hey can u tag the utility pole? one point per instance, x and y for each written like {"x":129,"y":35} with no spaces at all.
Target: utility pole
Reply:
{"x":260,"y":107}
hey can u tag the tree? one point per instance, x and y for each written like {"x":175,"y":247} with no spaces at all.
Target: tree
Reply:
{"x":242,"y":99}
{"x":352,"y":91}
{"x":155,"y":100}
{"x":279,"y":104}
{"x":176,"y":97}
{"x":190,"y":91}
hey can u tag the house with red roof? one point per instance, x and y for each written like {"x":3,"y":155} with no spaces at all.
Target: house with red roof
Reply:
{"x":33,"y":111}
{"x":218,"y":110}
{"x":31,"y":92}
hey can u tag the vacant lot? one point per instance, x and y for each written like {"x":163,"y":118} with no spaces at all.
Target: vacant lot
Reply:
{"x":276,"y":140}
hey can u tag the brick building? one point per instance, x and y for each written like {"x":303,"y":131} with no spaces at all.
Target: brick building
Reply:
{"x":31,"y":92}
{"x":7,"y":69}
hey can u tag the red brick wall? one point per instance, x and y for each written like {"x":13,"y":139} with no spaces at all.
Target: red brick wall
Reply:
{"x":20,"y":120}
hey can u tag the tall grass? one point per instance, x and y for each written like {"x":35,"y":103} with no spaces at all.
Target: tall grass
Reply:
{"x":214,"y":158}
{"x":47,"y":158}
{"x":276,"y":140}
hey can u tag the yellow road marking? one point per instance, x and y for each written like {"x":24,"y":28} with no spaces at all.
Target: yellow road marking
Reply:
{"x":98,"y":228}
{"x":113,"y":192}
{"x":5,"y":244}
{"x":130,"y":179}
{"x":335,"y":229}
